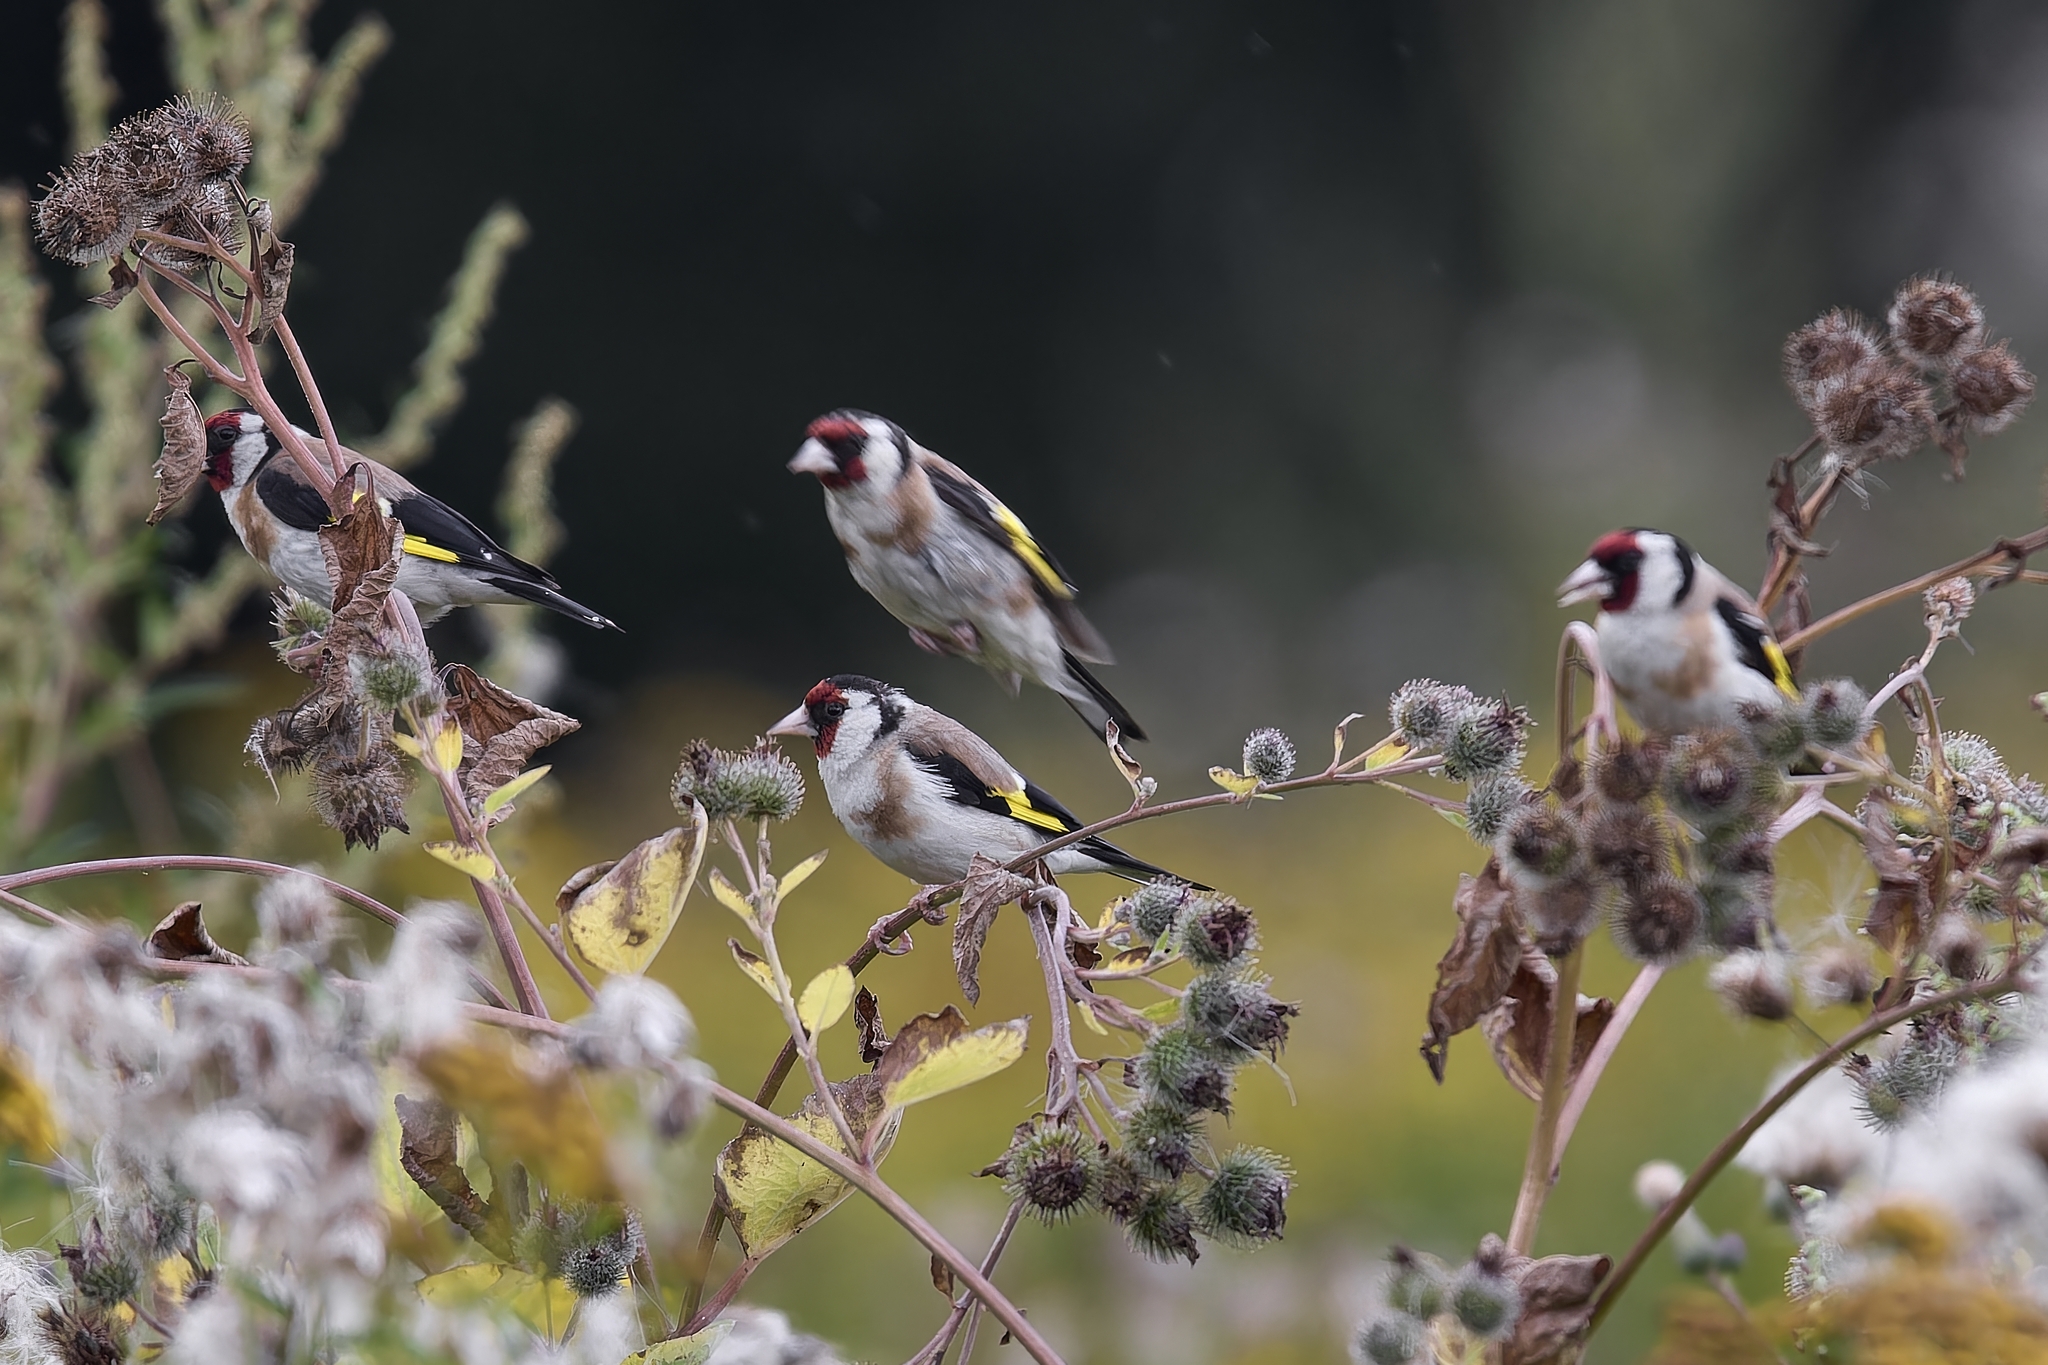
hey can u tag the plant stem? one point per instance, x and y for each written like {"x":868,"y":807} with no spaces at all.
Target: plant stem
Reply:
{"x":524,"y":988}
{"x":208,"y":862}
{"x":805,"y":1042}
{"x":2010,"y":551}
{"x":1730,"y":1146}
{"x":1604,"y":1048}
{"x":860,"y":1177}
{"x":934,"y":1350}
{"x":1540,"y":1172}
{"x":1064,"y":1089}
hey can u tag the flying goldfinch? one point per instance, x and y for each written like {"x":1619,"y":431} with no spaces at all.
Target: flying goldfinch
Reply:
{"x":950,"y":561}
{"x":278,"y":513}
{"x":924,"y":793}
{"x":1684,"y":646}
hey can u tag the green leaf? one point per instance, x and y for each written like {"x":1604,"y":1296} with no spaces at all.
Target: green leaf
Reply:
{"x":693,"y":1349}
{"x":1162,"y":1011}
{"x":772,"y":1191}
{"x":516,"y":788}
{"x":826,"y":998}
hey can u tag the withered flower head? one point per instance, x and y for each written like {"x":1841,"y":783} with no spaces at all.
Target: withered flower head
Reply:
{"x":361,"y":797}
{"x":1180,"y":1070}
{"x":1754,"y":983}
{"x":1630,"y":770}
{"x":760,"y":783}
{"x":1877,"y":410}
{"x":1711,"y":776}
{"x":1162,"y":1226}
{"x":1054,"y":1169}
{"x":1932,"y":320}
{"x":1834,"y":711}
{"x":1838,"y":974}
{"x":1991,"y":387}
{"x":151,"y":156}
{"x":1659,"y":921}
{"x":1948,"y":604}
{"x":214,"y":134}
{"x":1628,"y":844}
{"x":209,"y":211}
{"x":1830,"y":346}
{"x":1217,"y":933}
{"x":1162,"y":1139}
{"x":87,"y":215}
{"x":1488,"y":737}
{"x":1493,"y":798}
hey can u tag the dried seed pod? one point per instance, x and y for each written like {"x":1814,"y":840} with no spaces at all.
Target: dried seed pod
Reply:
{"x":1425,"y":712}
{"x":1754,"y":983}
{"x":1838,"y":974}
{"x":1486,"y":739}
{"x":1538,"y":844}
{"x":361,"y":797}
{"x":1492,"y":799}
{"x":1161,"y":1225}
{"x":1631,"y":770}
{"x":1180,"y":1070}
{"x":1245,"y":1203}
{"x":1157,"y":906}
{"x":1217,"y":933}
{"x":1933,"y":320}
{"x":1991,"y":387}
{"x":1268,"y":755}
{"x":1627,"y":844}
{"x":1830,"y":346}
{"x":1834,"y":711}
{"x":86,"y":214}
{"x":760,"y":783}
{"x":1054,"y":1169}
{"x":1876,"y":411}
{"x":1659,"y":921}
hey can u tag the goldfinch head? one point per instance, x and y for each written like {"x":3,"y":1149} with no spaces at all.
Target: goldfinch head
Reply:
{"x":236,"y":441}
{"x":1631,"y":569}
{"x":845,"y":712}
{"x":849,"y":450}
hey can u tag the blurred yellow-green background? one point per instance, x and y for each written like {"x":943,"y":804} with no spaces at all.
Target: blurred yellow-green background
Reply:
{"x":1317,"y":340}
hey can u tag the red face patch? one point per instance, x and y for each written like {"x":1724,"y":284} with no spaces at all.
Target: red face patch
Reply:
{"x":825,"y":704}
{"x":846,"y":439}
{"x":223,"y":429}
{"x":1621,"y":554}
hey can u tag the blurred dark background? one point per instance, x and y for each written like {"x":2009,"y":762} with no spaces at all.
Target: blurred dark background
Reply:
{"x":1317,"y":340}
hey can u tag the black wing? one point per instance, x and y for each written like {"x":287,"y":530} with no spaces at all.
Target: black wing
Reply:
{"x":965,"y":499}
{"x":292,"y":501}
{"x":443,"y":528}
{"x":1753,"y":643}
{"x":1033,"y":806}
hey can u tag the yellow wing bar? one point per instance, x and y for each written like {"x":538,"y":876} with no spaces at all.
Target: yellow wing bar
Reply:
{"x":414,"y":545}
{"x":1021,"y":807}
{"x":1027,"y":550}
{"x":1781,"y":670}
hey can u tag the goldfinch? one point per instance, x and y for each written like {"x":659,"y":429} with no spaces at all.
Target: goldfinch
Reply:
{"x":1684,"y":646}
{"x":950,"y":561}
{"x":278,"y":513}
{"x":924,"y":793}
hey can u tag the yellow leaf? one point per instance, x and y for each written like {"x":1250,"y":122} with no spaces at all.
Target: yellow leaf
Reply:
{"x":535,"y":1112}
{"x":542,"y":1304}
{"x":469,"y":862}
{"x":25,"y":1117}
{"x":730,"y":897}
{"x":513,"y":790}
{"x":756,"y":967}
{"x":1128,"y":961}
{"x":619,"y":921}
{"x":1343,"y":725}
{"x":1385,"y":752}
{"x":771,"y":1191}
{"x":409,"y":745}
{"x":1162,"y":1011}
{"x":448,"y":747}
{"x":693,"y":1349}
{"x":826,"y":998}
{"x":799,"y":874}
{"x":935,"y":1053}
{"x":1088,"y":1018}
{"x":1233,"y":781}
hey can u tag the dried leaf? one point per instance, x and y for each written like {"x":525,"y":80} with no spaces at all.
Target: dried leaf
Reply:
{"x":1519,"y":1026}
{"x":181,"y":937}
{"x":867,"y":1025}
{"x":826,"y":999}
{"x":1902,"y":909}
{"x":988,"y":888}
{"x":619,"y":919}
{"x":1337,"y":740}
{"x":120,"y":284}
{"x":501,"y":730}
{"x":771,"y":1191}
{"x":525,"y":1111}
{"x":1475,"y":972}
{"x":1132,"y":770}
{"x":359,"y":546}
{"x":578,"y":881}
{"x":1557,"y":1298}
{"x":942,"y":1274}
{"x":427,"y":1149}
{"x":274,"y":284}
{"x":934,"y":1053}
{"x":182,"y":463}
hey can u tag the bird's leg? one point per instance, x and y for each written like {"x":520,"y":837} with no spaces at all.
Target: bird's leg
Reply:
{"x":878,"y":940}
{"x":959,"y":638}
{"x":928,"y":909}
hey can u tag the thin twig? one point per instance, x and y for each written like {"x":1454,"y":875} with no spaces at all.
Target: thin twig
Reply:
{"x":1539,"y":1172}
{"x":1609,"y":1042}
{"x":933,"y":1351}
{"x":2008,"y":551}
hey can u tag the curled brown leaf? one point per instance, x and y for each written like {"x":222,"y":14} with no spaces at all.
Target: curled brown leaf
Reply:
{"x":1474,"y":973}
{"x":181,"y":937}
{"x":988,"y":889}
{"x":182,"y":462}
{"x":500,"y":730}
{"x":274,"y":282}
{"x":1519,"y":1026}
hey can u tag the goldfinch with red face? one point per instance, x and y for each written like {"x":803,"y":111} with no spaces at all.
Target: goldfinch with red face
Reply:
{"x":1684,"y":646}
{"x":924,"y":793}
{"x":278,"y":513}
{"x":950,"y":561}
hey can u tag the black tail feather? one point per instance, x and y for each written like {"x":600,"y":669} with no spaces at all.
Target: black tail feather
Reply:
{"x":1127,"y":728}
{"x":540,"y":594}
{"x":1129,"y":866}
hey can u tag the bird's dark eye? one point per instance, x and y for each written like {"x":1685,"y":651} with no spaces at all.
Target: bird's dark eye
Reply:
{"x":219,"y":438}
{"x":833,"y":710}
{"x":1625,"y":563}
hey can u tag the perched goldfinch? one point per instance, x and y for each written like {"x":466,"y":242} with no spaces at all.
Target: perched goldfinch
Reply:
{"x":948,"y":560}
{"x":924,"y":793}
{"x":278,"y":513}
{"x":1684,"y":646}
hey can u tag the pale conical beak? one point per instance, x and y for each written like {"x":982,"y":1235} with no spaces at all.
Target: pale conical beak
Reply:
{"x":813,"y":458}
{"x":1588,"y":581}
{"x":797,"y":722}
